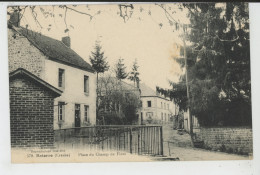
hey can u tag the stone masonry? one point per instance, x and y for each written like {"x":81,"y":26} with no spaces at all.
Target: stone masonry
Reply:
{"x":22,"y":54}
{"x":227,"y":139}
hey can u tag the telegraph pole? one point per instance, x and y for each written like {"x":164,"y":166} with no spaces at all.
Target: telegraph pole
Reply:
{"x":187,"y":84}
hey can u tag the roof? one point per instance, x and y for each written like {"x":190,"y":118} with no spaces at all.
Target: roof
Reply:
{"x":113,"y":82}
{"x":54,"y":49}
{"x":146,"y":90}
{"x":24,"y":73}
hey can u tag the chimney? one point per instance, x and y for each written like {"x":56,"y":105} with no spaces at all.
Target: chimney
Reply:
{"x":14,"y":19}
{"x":66,"y":40}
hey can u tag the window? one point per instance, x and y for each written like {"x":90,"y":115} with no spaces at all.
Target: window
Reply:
{"x":61,"y":111}
{"x":86,"y":117}
{"x":167,"y":106}
{"x":161,"y":105}
{"x":164,"y":106}
{"x":149,"y":104}
{"x":86,"y":85}
{"x":162,"y":116}
{"x":61,"y":78}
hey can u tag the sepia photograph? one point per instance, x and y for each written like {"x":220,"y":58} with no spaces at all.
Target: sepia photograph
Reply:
{"x":129,"y":82}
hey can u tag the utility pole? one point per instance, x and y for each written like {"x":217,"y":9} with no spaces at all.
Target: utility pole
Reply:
{"x":187,"y":84}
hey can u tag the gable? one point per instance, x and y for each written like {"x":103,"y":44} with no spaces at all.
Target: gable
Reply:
{"x":55,"y":50}
{"x":22,"y":74}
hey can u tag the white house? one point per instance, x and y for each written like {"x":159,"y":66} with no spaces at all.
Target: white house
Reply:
{"x":156,"y":108}
{"x":57,"y":64}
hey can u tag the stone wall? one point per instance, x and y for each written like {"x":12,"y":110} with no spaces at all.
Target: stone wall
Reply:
{"x":227,"y":139}
{"x":22,"y":54}
{"x":31,"y":114}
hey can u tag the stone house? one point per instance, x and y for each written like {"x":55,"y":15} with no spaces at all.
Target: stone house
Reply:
{"x":56,"y":63}
{"x":31,"y":110}
{"x":155,"y":107}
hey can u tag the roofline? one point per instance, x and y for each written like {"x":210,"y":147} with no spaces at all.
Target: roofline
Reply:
{"x":21,"y":71}
{"x":156,"y":96}
{"x":53,"y":59}
{"x":69,"y":64}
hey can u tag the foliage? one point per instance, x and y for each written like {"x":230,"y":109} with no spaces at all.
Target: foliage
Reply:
{"x":134,"y":74}
{"x":120,"y":70}
{"x":218,"y":64}
{"x":117,"y":102}
{"x":98,"y":60}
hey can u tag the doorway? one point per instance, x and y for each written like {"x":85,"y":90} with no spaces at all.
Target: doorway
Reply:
{"x":77,"y":115}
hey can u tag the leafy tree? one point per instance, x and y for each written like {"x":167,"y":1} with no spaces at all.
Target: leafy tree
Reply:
{"x":117,"y":104}
{"x":120,"y":70}
{"x":134,"y":74}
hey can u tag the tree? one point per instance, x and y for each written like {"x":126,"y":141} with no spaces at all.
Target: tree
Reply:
{"x":98,"y":60}
{"x":117,"y":104}
{"x":99,"y":64}
{"x":120,"y":71}
{"x":134,"y":74}
{"x":218,"y":63}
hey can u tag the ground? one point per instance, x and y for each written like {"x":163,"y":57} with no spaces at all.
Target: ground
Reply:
{"x":179,"y":146}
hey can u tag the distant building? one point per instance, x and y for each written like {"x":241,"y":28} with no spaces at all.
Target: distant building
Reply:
{"x":155,"y":108}
{"x":56,"y":63}
{"x":111,"y":93}
{"x":31,"y":110}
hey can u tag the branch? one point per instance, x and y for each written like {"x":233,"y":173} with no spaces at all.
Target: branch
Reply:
{"x":228,"y":40}
{"x":83,"y":13}
{"x":34,"y":14}
{"x":65,"y":19}
{"x":23,"y":12}
{"x":166,"y":12}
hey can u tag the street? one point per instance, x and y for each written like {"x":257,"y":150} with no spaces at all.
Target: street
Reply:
{"x":179,"y":146}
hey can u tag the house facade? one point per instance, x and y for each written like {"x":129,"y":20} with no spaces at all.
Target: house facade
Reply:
{"x":155,"y":107}
{"x":56,"y":63}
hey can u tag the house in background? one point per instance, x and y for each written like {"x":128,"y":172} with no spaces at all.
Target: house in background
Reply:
{"x":113,"y":95}
{"x":56,"y":63}
{"x":155,"y":107}
{"x":31,"y":110}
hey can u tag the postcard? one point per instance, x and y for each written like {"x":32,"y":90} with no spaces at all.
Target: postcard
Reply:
{"x":137,"y":82}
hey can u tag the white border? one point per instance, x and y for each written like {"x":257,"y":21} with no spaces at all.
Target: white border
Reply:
{"x":189,"y":167}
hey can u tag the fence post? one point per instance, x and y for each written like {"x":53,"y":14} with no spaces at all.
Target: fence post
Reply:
{"x":131,"y":151}
{"x":161,"y":135}
{"x":64,"y":136}
{"x":138,"y":143}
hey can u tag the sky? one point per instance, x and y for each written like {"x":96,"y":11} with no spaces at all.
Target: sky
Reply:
{"x":140,"y":37}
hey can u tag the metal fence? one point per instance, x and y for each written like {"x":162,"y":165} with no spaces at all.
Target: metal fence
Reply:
{"x":135,"y":139}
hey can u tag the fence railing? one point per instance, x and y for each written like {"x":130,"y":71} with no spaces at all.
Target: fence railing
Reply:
{"x":135,"y":139}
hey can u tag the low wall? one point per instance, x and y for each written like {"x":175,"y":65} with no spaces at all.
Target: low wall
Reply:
{"x":237,"y":140}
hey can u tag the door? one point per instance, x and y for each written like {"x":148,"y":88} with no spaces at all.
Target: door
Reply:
{"x":142,"y":120}
{"x":77,"y":115}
